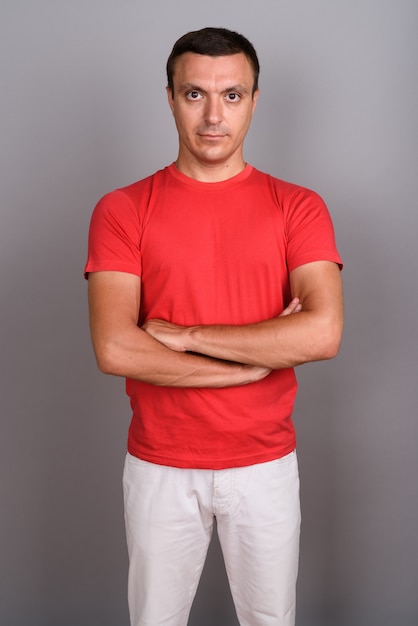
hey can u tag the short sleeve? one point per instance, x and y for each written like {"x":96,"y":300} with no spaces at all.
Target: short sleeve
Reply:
{"x":114,"y":236}
{"x":310,"y":232}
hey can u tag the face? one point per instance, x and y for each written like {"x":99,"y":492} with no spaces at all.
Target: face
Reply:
{"x":212,"y":106}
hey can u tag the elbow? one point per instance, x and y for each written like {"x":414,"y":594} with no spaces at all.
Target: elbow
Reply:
{"x":330,"y":351}
{"x":106,"y":359}
{"x":104,"y":364}
{"x":330,"y":344}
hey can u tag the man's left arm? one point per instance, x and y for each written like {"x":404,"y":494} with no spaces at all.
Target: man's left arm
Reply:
{"x":313,"y":334}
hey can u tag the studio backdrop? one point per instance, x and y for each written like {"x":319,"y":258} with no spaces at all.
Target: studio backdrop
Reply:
{"x":83,"y":111}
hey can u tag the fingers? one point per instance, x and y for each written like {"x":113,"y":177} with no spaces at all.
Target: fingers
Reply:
{"x":170,"y":335}
{"x":293,"y":307}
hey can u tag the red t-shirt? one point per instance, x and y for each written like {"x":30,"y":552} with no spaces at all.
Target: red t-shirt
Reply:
{"x":211,"y":253}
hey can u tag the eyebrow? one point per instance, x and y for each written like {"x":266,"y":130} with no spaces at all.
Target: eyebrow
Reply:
{"x":234,"y":88}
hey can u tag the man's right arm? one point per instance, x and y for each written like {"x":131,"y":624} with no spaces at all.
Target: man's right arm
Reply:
{"x":124,"y":349}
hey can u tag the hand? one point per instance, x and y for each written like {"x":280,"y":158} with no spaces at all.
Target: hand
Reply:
{"x":171,"y":335}
{"x":258,"y":372}
{"x":293,"y":307}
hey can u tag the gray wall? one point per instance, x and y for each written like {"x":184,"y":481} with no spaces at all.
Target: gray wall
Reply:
{"x":83,"y":111}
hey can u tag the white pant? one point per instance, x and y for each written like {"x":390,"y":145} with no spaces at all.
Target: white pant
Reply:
{"x":169,"y":514}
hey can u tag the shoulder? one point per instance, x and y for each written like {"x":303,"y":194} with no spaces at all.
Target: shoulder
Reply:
{"x":289,"y":197}
{"x":284,"y":188}
{"x":139,"y":188}
{"x":132,"y":198}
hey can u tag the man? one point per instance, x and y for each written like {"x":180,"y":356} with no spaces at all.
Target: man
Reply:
{"x":191,"y":272}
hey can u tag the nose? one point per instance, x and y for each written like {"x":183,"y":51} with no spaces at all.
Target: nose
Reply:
{"x":213,"y":111}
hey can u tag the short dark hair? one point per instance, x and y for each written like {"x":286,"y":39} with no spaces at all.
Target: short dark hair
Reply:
{"x":214,"y":42}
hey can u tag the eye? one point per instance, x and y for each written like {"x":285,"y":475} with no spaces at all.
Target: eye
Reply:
{"x":193,"y":95}
{"x":233,"y":97}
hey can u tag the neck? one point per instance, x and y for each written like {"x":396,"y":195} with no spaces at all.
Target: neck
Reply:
{"x":209,"y":173}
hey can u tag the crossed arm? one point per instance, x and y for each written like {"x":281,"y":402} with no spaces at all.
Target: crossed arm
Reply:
{"x":309,"y":329}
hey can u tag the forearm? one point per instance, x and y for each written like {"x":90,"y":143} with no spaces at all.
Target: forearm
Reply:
{"x":123,"y":349}
{"x":277,"y":343}
{"x":138,"y":356}
{"x":309,"y":329}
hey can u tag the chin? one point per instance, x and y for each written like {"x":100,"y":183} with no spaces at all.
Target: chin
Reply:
{"x":214,"y":155}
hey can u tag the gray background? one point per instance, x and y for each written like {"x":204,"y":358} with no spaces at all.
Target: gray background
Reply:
{"x":83,"y":111}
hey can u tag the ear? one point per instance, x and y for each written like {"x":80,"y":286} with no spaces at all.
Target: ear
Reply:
{"x":255,"y":99}
{"x":170,"y":99}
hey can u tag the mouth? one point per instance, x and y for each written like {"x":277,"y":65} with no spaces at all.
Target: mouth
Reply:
{"x":210,"y":136}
